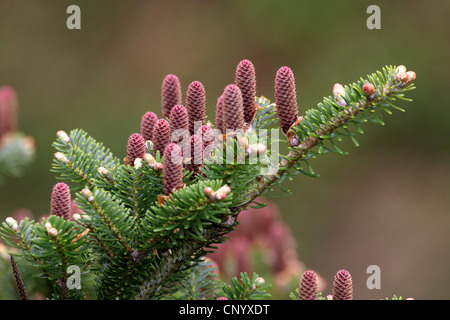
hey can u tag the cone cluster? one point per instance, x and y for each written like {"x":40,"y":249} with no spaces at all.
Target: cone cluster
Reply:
{"x":236,"y":108}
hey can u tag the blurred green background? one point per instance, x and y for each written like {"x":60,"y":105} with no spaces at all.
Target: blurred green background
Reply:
{"x":385,"y":204}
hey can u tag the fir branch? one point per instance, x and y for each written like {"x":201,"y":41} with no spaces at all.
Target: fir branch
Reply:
{"x":169,"y":263}
{"x":317,"y":126}
{"x":79,"y":156}
{"x":245,"y":288}
{"x":110,"y":220}
{"x":199,"y":281}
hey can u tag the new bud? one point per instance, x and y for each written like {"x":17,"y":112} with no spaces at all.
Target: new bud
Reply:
{"x":338,"y":93}
{"x":148,"y":158}
{"x":400,"y":69}
{"x":103,"y":171}
{"x":52,"y":232}
{"x":138,"y":163}
{"x":63,"y":136}
{"x":257,"y":148}
{"x":259,"y":282}
{"x":12,"y":223}
{"x":61,"y":157}
{"x":48,"y":226}
{"x":87,"y":194}
{"x":209,"y":192}
{"x":368,"y":89}
{"x":411,"y":76}
{"x":222,"y":192}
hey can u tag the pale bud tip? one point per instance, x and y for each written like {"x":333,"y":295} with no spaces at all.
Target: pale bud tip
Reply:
{"x":63,"y":136}
{"x":338,"y":93}
{"x":259,"y":282}
{"x":158,"y":166}
{"x":411,"y":76}
{"x":103,"y":171}
{"x":52,"y":232}
{"x":220,"y":194}
{"x":148,"y":158}
{"x":400,"y":69}
{"x":138,"y":163}
{"x":61,"y":157}
{"x":338,"y":89}
{"x":257,"y":149}
{"x":87,"y":194}
{"x":208,"y":191}
{"x":12,"y":223}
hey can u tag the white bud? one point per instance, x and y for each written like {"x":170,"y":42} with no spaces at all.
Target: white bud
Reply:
{"x":138,"y":163}
{"x":87,"y":194}
{"x":338,"y":92}
{"x":157,"y":166}
{"x":257,"y":148}
{"x":61,"y":157}
{"x":52,"y":232}
{"x":76,"y":216}
{"x":225,"y":189}
{"x":12,"y":223}
{"x":259,"y":282}
{"x":401,"y":76}
{"x":209,"y":192}
{"x":400,"y":69}
{"x":222,"y":192}
{"x":48,"y":226}
{"x":243,"y":141}
{"x":148,"y":158}
{"x":103,"y":171}
{"x":63,"y":136}
{"x":411,"y":76}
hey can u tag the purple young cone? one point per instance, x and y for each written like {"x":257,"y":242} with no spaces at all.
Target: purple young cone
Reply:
{"x":147,"y":123}
{"x":245,"y":79}
{"x":196,"y":105}
{"x":286,"y":99}
{"x":170,"y":94}
{"x":61,"y":201}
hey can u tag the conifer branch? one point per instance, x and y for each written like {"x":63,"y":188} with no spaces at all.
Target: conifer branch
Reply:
{"x":358,"y":102}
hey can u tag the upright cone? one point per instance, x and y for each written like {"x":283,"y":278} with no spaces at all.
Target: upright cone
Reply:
{"x":245,"y":79}
{"x":286,"y":99}
{"x":170,"y":94}
{"x":172,"y":168}
{"x":61,"y":201}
